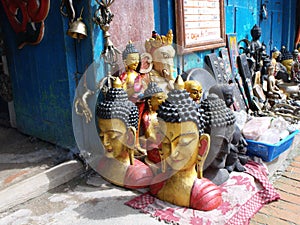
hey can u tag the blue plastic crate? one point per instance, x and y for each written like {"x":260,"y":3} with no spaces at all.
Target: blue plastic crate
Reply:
{"x":269,"y":152}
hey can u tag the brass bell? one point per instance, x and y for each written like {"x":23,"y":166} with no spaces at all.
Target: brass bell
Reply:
{"x":77,"y":29}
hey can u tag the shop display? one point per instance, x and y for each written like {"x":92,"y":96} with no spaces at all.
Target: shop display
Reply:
{"x":188,"y":137}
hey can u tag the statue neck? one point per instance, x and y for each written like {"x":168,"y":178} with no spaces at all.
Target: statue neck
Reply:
{"x":189,"y":173}
{"x":124,"y":157}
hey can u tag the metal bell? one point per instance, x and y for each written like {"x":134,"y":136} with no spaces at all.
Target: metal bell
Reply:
{"x":77,"y":29}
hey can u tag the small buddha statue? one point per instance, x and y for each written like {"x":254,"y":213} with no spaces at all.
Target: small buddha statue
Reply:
{"x":117,"y":120}
{"x":154,"y":97}
{"x":295,"y":69}
{"x":184,"y":148}
{"x":220,"y":125}
{"x":280,"y":71}
{"x":162,"y":52}
{"x":274,"y":91}
{"x":287,"y":60}
{"x":195,"y":89}
{"x":133,"y":82}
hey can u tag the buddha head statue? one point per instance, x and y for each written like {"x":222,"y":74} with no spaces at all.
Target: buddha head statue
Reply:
{"x":162,"y":52}
{"x":131,"y":57}
{"x":194,"y":88}
{"x":220,"y":126}
{"x":184,"y":149}
{"x":181,"y":122}
{"x":255,"y":32}
{"x":117,"y":123}
{"x":154,"y":96}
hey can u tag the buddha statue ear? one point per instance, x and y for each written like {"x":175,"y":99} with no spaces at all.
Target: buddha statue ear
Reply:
{"x":131,"y":141}
{"x":149,"y":104}
{"x":203,"y":148}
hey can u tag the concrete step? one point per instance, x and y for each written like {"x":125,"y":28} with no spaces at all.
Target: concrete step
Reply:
{"x":38,"y":184}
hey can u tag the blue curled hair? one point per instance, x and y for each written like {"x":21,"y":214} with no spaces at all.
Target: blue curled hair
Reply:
{"x":179,"y":107}
{"x":117,"y":106}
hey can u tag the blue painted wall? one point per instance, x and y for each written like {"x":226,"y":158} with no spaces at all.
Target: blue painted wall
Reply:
{"x":45,"y":76}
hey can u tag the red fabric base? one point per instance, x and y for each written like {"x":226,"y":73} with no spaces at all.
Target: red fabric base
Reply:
{"x":243,"y":195}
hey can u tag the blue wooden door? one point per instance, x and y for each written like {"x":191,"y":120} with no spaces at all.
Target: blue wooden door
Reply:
{"x":271,"y":24}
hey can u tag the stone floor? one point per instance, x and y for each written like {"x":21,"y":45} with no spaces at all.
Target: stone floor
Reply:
{"x":17,"y":163}
{"x":23,"y":156}
{"x":286,"y":210}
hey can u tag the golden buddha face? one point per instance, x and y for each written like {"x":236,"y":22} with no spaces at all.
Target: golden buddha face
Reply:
{"x":276,"y":54}
{"x":180,"y":144}
{"x":132,"y":61}
{"x":113,"y":135}
{"x":163,"y":60}
{"x":288,"y":65}
{"x":157,"y":99}
{"x":195,"y":90}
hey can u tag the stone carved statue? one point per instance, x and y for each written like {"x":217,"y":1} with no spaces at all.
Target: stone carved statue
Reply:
{"x":237,"y":155}
{"x":183,"y":147}
{"x":256,"y":47}
{"x":220,"y":125}
{"x":162,"y":52}
{"x":154,"y":97}
{"x":117,"y":120}
{"x":223,"y":91}
{"x":194,"y":88}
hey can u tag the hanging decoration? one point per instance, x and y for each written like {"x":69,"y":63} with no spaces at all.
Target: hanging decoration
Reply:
{"x":27,"y":19}
{"x":77,"y":29}
{"x":102,"y":17}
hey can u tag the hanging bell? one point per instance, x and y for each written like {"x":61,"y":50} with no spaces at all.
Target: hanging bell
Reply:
{"x":77,"y":29}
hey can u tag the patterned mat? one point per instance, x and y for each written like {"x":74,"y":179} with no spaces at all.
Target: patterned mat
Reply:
{"x":243,"y":195}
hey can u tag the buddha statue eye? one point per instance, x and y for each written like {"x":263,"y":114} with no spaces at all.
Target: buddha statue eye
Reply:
{"x":166,"y":144}
{"x":114,"y":135}
{"x":185,"y":141}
